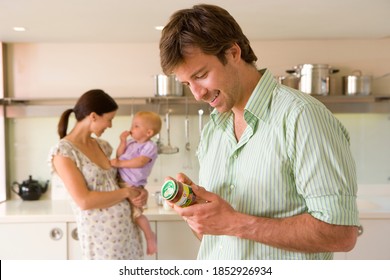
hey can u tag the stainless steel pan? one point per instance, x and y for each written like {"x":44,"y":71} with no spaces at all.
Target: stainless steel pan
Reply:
{"x":168,"y":86}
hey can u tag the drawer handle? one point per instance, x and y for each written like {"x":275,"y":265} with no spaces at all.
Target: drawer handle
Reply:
{"x":360,"y":230}
{"x":75,"y":234}
{"x":56,"y":234}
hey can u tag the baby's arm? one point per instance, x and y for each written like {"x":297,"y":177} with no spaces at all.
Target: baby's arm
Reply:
{"x":122,"y":145}
{"x":136,"y":162}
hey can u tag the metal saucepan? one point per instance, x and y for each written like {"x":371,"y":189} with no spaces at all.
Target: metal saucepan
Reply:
{"x":314,"y":78}
{"x":168,"y":86}
{"x":291,"y":80}
{"x":357,"y":84}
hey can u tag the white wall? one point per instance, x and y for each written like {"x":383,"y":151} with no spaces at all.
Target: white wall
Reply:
{"x":68,"y":70}
{"x":49,"y":70}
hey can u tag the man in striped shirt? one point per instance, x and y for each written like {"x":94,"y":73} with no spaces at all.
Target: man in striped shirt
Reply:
{"x":276,"y":168}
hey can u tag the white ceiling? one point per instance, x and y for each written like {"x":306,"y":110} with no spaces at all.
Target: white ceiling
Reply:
{"x":133,"y":21}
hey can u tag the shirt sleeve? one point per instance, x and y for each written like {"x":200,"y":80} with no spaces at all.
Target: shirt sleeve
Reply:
{"x":64,"y":149}
{"x":149,"y":150}
{"x":324,"y":168}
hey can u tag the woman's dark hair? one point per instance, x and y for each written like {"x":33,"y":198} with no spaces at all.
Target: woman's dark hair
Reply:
{"x":94,"y":100}
{"x":210,"y":28}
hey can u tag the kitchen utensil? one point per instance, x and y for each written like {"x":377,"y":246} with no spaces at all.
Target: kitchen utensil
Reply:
{"x":168,"y":149}
{"x":159,"y":144}
{"x":29,"y":189}
{"x":187,"y":134}
{"x":357,"y":84}
{"x":158,"y":198}
{"x":314,"y":78}
{"x":187,"y":162}
{"x":200,"y":113}
{"x":168,"y":86}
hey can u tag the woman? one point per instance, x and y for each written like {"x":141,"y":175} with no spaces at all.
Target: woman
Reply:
{"x":82,"y":163}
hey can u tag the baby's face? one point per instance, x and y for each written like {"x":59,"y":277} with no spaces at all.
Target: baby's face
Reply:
{"x":139,"y":130}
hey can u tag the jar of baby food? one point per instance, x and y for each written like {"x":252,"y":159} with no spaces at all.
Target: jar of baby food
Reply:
{"x":178,"y":193}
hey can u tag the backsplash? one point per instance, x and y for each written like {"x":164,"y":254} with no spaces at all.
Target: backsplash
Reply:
{"x":30,"y":139}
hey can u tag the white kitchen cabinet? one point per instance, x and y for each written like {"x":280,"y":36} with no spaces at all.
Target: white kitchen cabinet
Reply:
{"x":176,"y":241}
{"x":33,"y":241}
{"x":74,"y":249}
{"x":73,"y":245}
{"x":174,"y":238}
{"x":374,"y":243}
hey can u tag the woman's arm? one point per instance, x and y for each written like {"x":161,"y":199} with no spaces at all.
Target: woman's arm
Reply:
{"x":75,"y":183}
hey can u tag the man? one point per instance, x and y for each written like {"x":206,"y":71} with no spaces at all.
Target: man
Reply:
{"x":278,"y":175}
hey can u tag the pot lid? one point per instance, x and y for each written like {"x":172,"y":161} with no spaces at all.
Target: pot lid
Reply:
{"x":306,"y":65}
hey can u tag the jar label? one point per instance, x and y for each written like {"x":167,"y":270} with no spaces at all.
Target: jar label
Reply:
{"x":187,"y":197}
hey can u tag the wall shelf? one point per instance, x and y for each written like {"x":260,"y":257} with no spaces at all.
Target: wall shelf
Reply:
{"x":356,"y":104}
{"x":19,"y":108}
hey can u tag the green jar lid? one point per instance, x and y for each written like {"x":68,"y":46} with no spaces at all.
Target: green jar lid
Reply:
{"x":169,"y":190}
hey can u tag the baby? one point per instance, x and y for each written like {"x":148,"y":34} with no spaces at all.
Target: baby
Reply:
{"x":134,"y":159}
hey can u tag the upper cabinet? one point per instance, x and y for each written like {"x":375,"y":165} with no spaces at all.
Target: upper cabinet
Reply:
{"x":69,"y":70}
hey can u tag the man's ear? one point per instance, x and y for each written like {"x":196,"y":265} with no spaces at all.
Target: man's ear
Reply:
{"x":234,"y":52}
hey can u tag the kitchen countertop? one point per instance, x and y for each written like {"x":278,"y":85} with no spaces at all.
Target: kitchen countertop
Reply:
{"x":373,"y":203}
{"x":18,"y":211}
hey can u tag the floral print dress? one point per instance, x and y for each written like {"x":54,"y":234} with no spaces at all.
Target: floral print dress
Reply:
{"x":107,"y":233}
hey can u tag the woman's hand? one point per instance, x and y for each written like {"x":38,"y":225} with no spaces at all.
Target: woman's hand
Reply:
{"x":141,"y":199}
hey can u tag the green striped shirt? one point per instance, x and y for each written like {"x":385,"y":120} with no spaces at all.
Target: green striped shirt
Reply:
{"x":293,"y":158}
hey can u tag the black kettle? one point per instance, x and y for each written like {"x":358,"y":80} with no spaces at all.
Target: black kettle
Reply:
{"x":29,"y":189}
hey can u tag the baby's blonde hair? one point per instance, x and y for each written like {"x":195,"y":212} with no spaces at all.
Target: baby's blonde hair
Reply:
{"x":153,"y":120}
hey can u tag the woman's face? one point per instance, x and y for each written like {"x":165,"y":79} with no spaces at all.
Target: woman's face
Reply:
{"x":102,"y":122}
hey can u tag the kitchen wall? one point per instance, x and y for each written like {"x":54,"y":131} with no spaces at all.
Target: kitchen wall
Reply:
{"x":32,"y":138}
{"x":125,"y":70}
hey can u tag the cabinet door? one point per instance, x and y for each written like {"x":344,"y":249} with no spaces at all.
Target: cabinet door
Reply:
{"x":176,"y":241}
{"x":33,"y":241}
{"x":374,"y":243}
{"x":74,"y":249}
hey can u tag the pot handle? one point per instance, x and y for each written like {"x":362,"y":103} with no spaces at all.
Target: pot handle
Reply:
{"x":357,"y":72}
{"x":13,"y":187}
{"x":291,"y":71}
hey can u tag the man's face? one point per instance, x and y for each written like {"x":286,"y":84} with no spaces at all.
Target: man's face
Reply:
{"x":210,"y":80}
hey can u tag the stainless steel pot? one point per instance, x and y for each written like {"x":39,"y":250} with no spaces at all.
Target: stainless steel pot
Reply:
{"x":291,"y":80}
{"x":168,"y":86}
{"x":314,"y":78}
{"x":357,"y":84}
